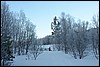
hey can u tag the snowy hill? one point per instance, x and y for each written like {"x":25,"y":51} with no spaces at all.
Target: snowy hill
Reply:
{"x":55,"y":58}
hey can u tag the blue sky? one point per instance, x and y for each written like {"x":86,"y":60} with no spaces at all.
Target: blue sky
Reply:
{"x":41,"y":13}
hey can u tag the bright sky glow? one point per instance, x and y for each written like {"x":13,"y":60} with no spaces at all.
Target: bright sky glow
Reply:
{"x":41,"y":13}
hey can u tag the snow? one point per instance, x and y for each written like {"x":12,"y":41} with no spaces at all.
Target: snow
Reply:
{"x":47,"y":46}
{"x":51,"y":46}
{"x":55,"y":58}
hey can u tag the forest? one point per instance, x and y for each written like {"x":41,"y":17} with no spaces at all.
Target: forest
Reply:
{"x":18,"y":36}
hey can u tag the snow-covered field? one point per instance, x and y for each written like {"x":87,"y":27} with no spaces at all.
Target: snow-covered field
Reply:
{"x":55,"y":58}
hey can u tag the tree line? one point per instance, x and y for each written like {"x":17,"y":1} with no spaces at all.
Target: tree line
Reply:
{"x":17,"y":33}
{"x":76,"y":37}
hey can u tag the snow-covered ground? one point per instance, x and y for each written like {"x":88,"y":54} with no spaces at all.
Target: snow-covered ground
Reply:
{"x":55,"y":58}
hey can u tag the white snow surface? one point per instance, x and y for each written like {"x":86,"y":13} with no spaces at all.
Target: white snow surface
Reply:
{"x":55,"y":58}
